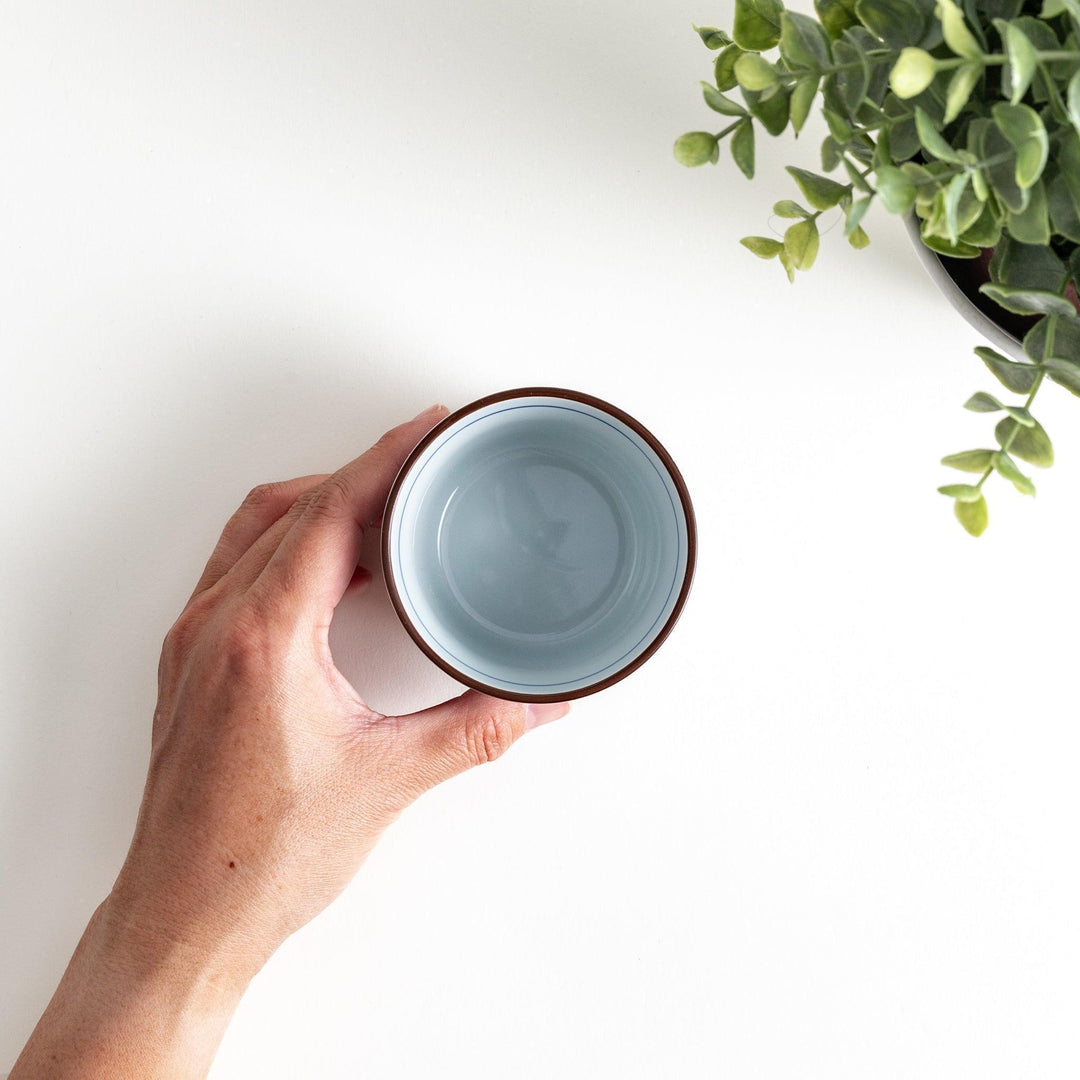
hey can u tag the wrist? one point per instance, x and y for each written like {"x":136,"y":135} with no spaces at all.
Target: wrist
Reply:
{"x":133,"y":1003}
{"x":136,"y":942}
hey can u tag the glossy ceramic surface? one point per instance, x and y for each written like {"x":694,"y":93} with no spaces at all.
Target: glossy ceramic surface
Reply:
{"x":538,"y":544}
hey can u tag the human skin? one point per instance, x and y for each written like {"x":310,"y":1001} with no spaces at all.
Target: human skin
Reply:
{"x":270,"y":781}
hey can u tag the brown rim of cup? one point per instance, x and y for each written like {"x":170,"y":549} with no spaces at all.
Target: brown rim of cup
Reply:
{"x":611,"y":410}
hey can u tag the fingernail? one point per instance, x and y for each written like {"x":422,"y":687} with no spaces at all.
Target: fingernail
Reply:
{"x":544,"y":712}
{"x":431,"y":411}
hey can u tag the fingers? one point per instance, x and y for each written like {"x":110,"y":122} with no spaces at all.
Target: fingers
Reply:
{"x":312,"y":565}
{"x":469,"y":730}
{"x":263,"y":506}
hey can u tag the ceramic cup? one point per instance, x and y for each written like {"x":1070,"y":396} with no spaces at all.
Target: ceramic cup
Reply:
{"x":538,"y":544}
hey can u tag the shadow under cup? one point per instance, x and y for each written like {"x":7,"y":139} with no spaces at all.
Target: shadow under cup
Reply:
{"x":538,"y":544}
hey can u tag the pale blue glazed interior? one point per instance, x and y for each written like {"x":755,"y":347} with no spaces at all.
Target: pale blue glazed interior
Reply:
{"x":538,"y":545}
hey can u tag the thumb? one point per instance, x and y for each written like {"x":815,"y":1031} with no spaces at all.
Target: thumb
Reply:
{"x":468,"y":730}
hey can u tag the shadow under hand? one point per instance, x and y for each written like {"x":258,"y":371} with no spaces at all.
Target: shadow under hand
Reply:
{"x":373,"y":651}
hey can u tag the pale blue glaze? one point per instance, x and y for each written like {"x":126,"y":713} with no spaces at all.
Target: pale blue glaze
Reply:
{"x":538,"y":546}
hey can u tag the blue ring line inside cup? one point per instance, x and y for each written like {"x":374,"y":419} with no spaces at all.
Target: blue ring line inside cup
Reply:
{"x":583,"y":680}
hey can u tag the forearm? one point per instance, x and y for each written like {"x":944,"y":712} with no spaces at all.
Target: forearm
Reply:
{"x":131,"y":1005}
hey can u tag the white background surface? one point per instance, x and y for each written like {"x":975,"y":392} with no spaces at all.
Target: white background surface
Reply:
{"x":828,"y":831}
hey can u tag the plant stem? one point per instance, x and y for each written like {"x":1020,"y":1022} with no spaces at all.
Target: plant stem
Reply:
{"x":997,"y":59}
{"x":955,"y":170}
{"x":987,"y":60}
{"x":1027,"y":404}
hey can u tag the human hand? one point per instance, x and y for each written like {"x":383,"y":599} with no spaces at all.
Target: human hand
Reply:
{"x":270,"y":780}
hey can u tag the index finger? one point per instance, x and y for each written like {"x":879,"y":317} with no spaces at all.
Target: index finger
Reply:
{"x":312,"y":566}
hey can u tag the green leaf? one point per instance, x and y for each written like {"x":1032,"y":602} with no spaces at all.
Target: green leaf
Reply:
{"x":839,"y":128}
{"x":757,"y":24}
{"x":830,"y":154}
{"x":970,"y":209}
{"x":957,"y":35}
{"x":857,"y":238}
{"x":977,"y":15}
{"x":882,"y":152}
{"x":1023,"y":128}
{"x":942,"y":246}
{"x":836,"y":15}
{"x":853,"y":78}
{"x":820,"y":192}
{"x":1027,"y":265}
{"x":1020,"y":415}
{"x":985,"y":231}
{"x":973,"y":461}
{"x":981,"y":402}
{"x":788,"y":265}
{"x":1019,"y":378}
{"x":801,"y":243}
{"x":980,"y":187}
{"x":763,"y":247}
{"x":963,"y":492}
{"x":1032,"y":224}
{"x":857,"y":181}
{"x":855,"y":213}
{"x":1008,"y":468}
{"x":742,"y":148}
{"x":802,"y":98}
{"x":975,"y":140}
{"x":695,"y":148}
{"x":755,"y":72}
{"x":999,"y":158}
{"x":964,"y":80}
{"x":896,"y":191}
{"x":912,"y":73}
{"x":1072,"y":100}
{"x":1062,"y":179}
{"x":1027,"y":301}
{"x":896,"y":141}
{"x":803,"y":42}
{"x":933,"y":142}
{"x":720,"y":103}
{"x":862,"y":149}
{"x":713,"y":38}
{"x":953,"y":194}
{"x":896,"y":22}
{"x":972,"y":515}
{"x":1066,"y":342}
{"x":1023,"y":60}
{"x":926,"y":185}
{"x":1041,"y":34}
{"x":788,"y":208}
{"x":771,"y":110}
{"x":932,"y":210}
{"x":1064,"y":372}
{"x":867,"y":44}
{"x":724,"y":68}
{"x":1032,"y":444}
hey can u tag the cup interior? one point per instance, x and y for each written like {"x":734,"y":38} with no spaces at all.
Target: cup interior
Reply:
{"x":537,"y":546}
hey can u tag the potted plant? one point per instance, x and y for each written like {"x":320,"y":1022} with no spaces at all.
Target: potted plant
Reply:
{"x":964,"y":119}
